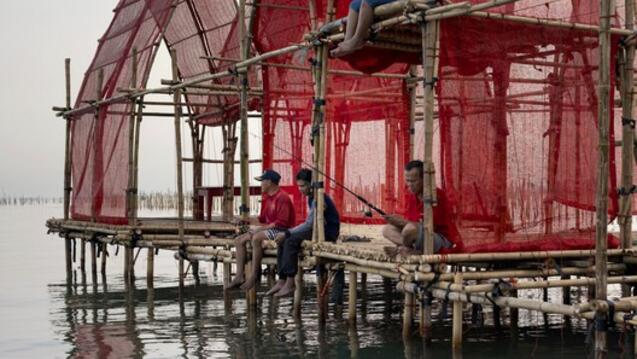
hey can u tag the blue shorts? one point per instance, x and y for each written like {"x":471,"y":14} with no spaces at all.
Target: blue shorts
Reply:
{"x":356,"y":4}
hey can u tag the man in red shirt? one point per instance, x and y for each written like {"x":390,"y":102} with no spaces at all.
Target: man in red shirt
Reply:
{"x":406,"y":231}
{"x":277,"y":215}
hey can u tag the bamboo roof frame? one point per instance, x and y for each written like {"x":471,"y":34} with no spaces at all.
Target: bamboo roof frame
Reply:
{"x":412,"y":15}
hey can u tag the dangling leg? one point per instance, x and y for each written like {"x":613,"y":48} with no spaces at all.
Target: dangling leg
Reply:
{"x":365,"y":19}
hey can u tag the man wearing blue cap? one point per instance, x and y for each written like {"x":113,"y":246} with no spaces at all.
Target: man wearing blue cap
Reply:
{"x":276,"y":216}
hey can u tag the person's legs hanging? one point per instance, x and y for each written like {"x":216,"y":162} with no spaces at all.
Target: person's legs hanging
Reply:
{"x":257,"y":255}
{"x":240,"y":248}
{"x":290,"y":263}
{"x":361,"y":33}
{"x":279,"y":264}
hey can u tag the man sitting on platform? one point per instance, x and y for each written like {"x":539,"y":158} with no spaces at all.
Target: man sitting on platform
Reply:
{"x":289,"y":241}
{"x":276,"y":216}
{"x":407,"y":232}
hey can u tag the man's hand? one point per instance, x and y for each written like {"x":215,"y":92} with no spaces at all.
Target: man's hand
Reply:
{"x":395,"y":220}
{"x":279,"y":238}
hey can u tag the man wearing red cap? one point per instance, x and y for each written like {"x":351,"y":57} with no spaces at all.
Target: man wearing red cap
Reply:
{"x":277,"y":215}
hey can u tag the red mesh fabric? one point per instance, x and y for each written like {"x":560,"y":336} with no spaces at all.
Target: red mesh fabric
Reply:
{"x":204,"y":35}
{"x":100,"y":148}
{"x":518,"y":128}
{"x":517,"y":112}
{"x":367,"y":118}
{"x":197,"y":30}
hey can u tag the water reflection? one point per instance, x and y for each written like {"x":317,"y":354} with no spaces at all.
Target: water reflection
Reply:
{"x":119,"y":320}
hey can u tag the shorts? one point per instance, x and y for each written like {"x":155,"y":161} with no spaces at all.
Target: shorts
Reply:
{"x":440,"y":242}
{"x":272,"y":232}
{"x":356,"y":4}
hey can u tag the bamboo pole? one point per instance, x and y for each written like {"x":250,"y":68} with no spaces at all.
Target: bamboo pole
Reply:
{"x":83,"y":255}
{"x":138,"y":123}
{"x":98,"y":96}
{"x":103,"y":268}
{"x":408,"y":314}
{"x":67,"y":146}
{"x":351,"y":300}
{"x":483,"y":288}
{"x":628,"y":131}
{"x":130,"y":192}
{"x":244,"y":155}
{"x":94,"y":262}
{"x":319,"y":115}
{"x":68,"y":257}
{"x":429,"y":32}
{"x":150,"y":267}
{"x":456,"y":341}
{"x":601,"y":241}
{"x":179,"y":162}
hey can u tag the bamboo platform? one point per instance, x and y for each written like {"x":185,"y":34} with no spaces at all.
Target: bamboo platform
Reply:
{"x":479,"y":278}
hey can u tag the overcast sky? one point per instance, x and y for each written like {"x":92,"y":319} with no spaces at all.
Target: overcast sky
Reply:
{"x":37,"y":35}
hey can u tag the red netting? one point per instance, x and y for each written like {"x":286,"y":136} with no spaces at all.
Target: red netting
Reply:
{"x":518,"y":127}
{"x":100,"y":148}
{"x":516,"y":143}
{"x":367,"y":118}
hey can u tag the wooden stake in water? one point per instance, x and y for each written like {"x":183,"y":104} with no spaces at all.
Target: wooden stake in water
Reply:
{"x":351,"y":300}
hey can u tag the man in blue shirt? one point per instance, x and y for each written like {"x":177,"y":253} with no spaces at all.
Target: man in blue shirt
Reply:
{"x":289,"y":241}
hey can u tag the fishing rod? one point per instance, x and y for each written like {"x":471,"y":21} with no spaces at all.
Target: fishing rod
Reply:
{"x":337,"y":183}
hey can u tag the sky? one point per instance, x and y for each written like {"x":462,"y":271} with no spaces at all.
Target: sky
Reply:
{"x":37,"y":35}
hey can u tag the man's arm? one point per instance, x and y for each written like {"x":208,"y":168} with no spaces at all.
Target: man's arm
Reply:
{"x":306,"y":226}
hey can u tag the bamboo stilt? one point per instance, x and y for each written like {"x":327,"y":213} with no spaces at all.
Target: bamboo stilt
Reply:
{"x":195,"y":271}
{"x":227,"y":269}
{"x":68,"y":257}
{"x":351,"y":300}
{"x":182,"y":274}
{"x":456,"y":341}
{"x":103,"y":250}
{"x":94,"y":262}
{"x":150,"y":268}
{"x":298,"y":292}
{"x":127,"y":261}
{"x":408,"y":314}
{"x":601,"y":206}
{"x":82,"y":255}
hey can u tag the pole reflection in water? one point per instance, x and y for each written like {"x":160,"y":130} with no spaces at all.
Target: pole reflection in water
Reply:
{"x":121,"y":320}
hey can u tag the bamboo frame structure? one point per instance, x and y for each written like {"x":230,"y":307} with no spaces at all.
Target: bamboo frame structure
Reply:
{"x":450,"y":277}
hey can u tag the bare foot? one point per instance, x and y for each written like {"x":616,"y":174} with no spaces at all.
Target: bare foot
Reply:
{"x":279,"y":284}
{"x":347,"y":47}
{"x":391,"y":251}
{"x":249,"y":283}
{"x":285,"y":291}
{"x":236,"y":282}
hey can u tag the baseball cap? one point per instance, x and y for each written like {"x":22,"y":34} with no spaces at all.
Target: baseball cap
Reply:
{"x":269,"y":174}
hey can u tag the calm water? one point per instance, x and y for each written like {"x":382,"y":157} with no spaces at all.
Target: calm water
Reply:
{"x":43,"y":317}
